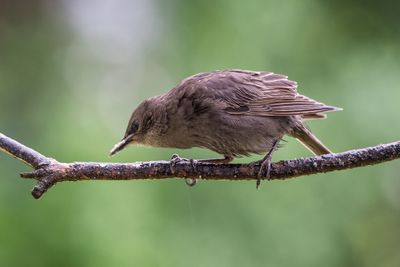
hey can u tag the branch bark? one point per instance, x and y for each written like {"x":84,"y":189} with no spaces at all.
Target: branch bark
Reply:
{"x":48,"y":171}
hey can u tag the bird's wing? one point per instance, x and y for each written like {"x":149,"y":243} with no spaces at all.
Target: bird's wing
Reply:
{"x":256,"y":93}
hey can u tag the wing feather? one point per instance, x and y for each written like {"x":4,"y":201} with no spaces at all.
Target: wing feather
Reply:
{"x":254,"y":93}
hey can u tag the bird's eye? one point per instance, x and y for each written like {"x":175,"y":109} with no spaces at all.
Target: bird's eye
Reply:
{"x":134,"y":127}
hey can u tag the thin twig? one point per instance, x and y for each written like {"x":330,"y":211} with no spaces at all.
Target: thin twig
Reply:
{"x":23,"y":153}
{"x":48,"y":171}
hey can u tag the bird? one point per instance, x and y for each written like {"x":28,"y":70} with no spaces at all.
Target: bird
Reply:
{"x":232,"y":112}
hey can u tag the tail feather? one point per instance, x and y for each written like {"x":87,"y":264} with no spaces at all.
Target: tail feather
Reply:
{"x":309,"y":140}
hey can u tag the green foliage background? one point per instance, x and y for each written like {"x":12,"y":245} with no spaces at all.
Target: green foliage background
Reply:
{"x":72,"y":71}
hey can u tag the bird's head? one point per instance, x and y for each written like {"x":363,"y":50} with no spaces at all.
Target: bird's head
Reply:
{"x":140,"y":126}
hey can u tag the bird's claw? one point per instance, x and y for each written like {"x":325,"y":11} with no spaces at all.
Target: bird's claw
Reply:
{"x":264,"y":171}
{"x":265,"y":166}
{"x":175,"y":159}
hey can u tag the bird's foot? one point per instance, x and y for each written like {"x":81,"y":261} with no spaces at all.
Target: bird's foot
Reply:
{"x":175,"y":159}
{"x":264,"y":171}
{"x":265,"y":165}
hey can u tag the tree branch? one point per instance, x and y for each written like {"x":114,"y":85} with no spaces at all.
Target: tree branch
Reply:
{"x":48,"y":171}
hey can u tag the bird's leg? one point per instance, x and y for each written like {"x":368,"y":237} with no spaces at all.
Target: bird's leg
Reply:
{"x":266,"y":164}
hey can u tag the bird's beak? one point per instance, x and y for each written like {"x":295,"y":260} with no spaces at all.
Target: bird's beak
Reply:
{"x":121,"y":145}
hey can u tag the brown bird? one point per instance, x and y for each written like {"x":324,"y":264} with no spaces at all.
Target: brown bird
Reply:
{"x":232,"y":112}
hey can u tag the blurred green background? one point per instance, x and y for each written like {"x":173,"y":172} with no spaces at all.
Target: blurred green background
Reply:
{"x":72,"y":71}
